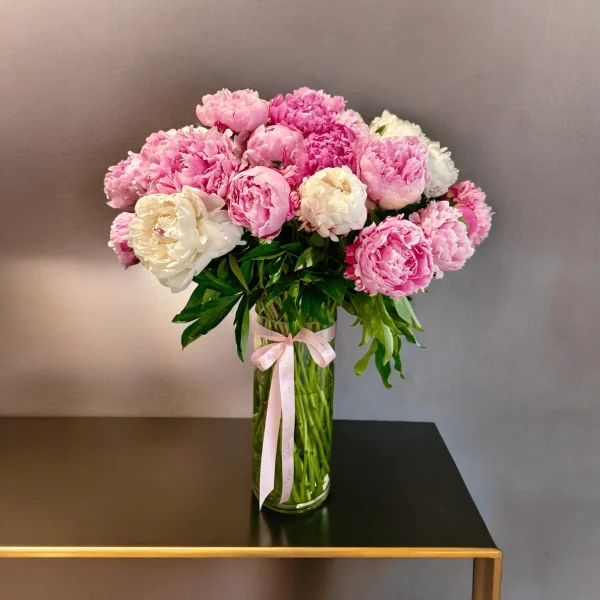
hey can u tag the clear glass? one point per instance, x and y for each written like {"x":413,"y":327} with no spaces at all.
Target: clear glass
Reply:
{"x":313,"y":387}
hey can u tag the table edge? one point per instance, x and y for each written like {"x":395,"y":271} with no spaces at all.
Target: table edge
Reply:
{"x":240,"y":552}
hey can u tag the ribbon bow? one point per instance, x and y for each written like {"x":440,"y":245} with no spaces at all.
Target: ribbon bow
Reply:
{"x":281,"y":406}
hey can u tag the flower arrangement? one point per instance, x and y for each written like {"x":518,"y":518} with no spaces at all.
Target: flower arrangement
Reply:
{"x":293,"y":208}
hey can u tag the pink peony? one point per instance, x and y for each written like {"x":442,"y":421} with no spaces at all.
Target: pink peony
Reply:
{"x":158,"y":142}
{"x":203,"y":160}
{"x":276,"y":143}
{"x":393,"y":258}
{"x":259,"y":199}
{"x":470,"y":201}
{"x":394,"y":170}
{"x":126,"y":182}
{"x":307,"y":110}
{"x":239,"y":111}
{"x":119,"y":232}
{"x":450,"y":243}
{"x":350,"y":118}
{"x":336,"y":148}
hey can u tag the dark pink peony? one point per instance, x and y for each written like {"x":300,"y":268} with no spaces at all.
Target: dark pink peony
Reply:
{"x":307,"y":110}
{"x":336,"y":148}
{"x":119,"y":235}
{"x":450,"y":243}
{"x":470,"y":201}
{"x":259,"y":199}
{"x":394,"y":170}
{"x":393,"y":258}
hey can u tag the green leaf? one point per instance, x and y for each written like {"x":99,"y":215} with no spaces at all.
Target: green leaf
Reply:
{"x":276,"y":290}
{"x":367,"y":333}
{"x":388,"y":344}
{"x":381,"y":129}
{"x":294,"y":247}
{"x":214,"y":283}
{"x":316,"y":240}
{"x":222,"y":270}
{"x":406,"y":313}
{"x":397,"y":359}
{"x":242,"y":326}
{"x":263,"y":251}
{"x":375,"y":218}
{"x":308,"y":258}
{"x":275,"y":270}
{"x":336,"y":288}
{"x":361,"y":366}
{"x":247,"y":269}
{"x":293,"y":315}
{"x":383,"y":314}
{"x":309,"y":276}
{"x":314,"y":305}
{"x":349,"y":308}
{"x":213,"y":312}
{"x":385,"y":369}
{"x":408,"y":334}
{"x":196,"y":312}
{"x":261,"y":274}
{"x":253,"y":297}
{"x":277,"y":163}
{"x":195,"y":299}
{"x":235,"y":268}
{"x":294,"y":289}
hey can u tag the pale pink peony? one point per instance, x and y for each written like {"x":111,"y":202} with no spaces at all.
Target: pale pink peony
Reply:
{"x":393,"y":258}
{"x":239,"y":111}
{"x":126,"y":182}
{"x":470,"y":201}
{"x":307,"y":110}
{"x":336,"y":148}
{"x":350,"y":118}
{"x":158,"y":142}
{"x":450,"y":243}
{"x":119,"y":233}
{"x":259,"y":199}
{"x":276,"y":143}
{"x":394,"y":170}
{"x":203,"y":160}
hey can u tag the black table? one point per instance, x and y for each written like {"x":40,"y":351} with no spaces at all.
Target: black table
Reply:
{"x":108,"y":487}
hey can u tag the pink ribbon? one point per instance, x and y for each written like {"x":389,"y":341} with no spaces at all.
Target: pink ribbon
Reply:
{"x":281,"y":406}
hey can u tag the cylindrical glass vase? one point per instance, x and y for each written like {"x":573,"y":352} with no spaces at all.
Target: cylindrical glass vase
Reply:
{"x":313,"y":394}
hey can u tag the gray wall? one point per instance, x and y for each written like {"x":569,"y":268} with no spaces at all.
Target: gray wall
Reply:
{"x":510,"y":373}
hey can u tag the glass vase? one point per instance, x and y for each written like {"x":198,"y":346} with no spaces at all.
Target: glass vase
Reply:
{"x":313,"y":396}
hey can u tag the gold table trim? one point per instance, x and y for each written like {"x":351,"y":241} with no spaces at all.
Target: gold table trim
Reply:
{"x":239,"y":552}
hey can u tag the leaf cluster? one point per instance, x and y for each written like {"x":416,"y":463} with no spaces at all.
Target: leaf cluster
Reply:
{"x":299,"y":279}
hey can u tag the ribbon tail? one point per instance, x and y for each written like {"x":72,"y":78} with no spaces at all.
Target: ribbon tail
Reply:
{"x":288,"y":415}
{"x":271,"y":433}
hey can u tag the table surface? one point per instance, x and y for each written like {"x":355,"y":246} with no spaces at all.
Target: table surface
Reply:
{"x":182,"y":487}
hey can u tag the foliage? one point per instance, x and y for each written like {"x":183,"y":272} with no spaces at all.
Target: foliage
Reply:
{"x":299,"y":276}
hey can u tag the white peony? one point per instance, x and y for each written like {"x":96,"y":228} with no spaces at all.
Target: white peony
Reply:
{"x":389,"y":125}
{"x":443,"y":172}
{"x":175,"y":236}
{"x":333,"y":202}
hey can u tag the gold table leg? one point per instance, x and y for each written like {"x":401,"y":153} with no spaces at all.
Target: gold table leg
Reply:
{"x":487,"y":576}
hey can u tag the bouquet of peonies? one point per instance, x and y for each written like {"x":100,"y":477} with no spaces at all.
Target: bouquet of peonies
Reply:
{"x":309,"y":206}
{"x":292,"y":208}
